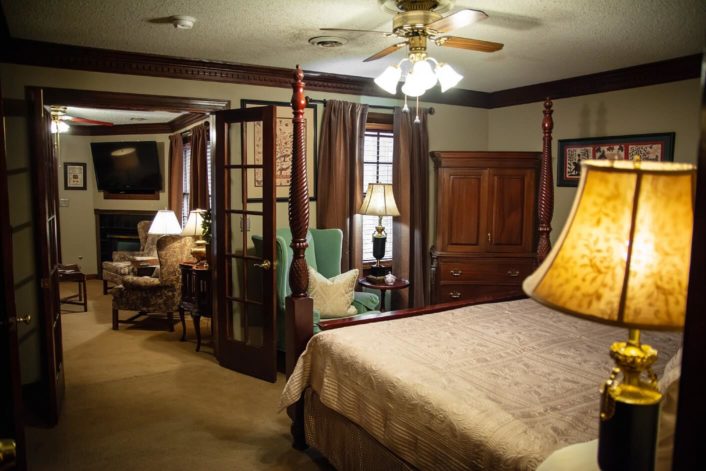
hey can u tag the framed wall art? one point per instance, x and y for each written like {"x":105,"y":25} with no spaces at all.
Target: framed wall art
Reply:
{"x":74,"y":176}
{"x":655,"y":147}
{"x":283,"y":158}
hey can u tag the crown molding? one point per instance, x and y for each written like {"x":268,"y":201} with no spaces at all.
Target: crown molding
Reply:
{"x":45,"y":54}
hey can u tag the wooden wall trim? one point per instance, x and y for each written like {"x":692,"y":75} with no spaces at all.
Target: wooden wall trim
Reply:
{"x":45,"y":54}
{"x":672,"y":70}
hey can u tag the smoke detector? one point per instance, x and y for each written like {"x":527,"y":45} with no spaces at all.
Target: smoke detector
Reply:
{"x":327,"y":41}
{"x":183,"y":22}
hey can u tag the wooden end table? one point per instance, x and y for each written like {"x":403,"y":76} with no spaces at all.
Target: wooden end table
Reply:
{"x":73,"y":273}
{"x":400,"y":283}
{"x":195,"y":297}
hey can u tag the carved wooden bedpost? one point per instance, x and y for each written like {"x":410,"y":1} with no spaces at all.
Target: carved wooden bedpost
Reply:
{"x":299,"y":318}
{"x":546,"y":185}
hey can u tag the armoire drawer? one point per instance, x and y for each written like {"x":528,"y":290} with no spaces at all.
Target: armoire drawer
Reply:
{"x":460,"y":292}
{"x":498,"y":270}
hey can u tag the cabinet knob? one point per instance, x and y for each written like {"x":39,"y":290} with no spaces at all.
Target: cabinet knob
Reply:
{"x":456,"y":272}
{"x":454,"y":295}
{"x":489,"y":238}
{"x":513,"y":273}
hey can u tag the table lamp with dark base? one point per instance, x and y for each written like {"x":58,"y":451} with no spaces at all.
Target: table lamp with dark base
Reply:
{"x":379,"y":201}
{"x":629,"y":233}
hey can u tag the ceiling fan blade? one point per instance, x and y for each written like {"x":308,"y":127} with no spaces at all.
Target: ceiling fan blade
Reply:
{"x":457,"y":20}
{"x":467,"y":43}
{"x":388,"y":50}
{"x":383,"y":33}
{"x":76,"y":119}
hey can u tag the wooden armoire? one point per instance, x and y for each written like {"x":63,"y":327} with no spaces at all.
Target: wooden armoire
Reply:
{"x":486,"y":223}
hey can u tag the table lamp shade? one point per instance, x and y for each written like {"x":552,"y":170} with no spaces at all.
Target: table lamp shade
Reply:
{"x":194,"y":223}
{"x":623,"y":255}
{"x":164,"y":223}
{"x":379,"y":201}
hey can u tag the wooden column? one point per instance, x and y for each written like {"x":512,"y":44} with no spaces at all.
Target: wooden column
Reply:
{"x":299,"y":323}
{"x":545,"y":204}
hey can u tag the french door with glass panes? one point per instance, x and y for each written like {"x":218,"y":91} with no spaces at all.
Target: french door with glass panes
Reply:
{"x":244,"y":202}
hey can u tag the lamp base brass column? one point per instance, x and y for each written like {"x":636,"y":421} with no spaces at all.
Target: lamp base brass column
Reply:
{"x":627,"y":434}
{"x":379,"y":242}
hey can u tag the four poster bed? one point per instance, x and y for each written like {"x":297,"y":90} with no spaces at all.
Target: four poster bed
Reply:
{"x":477,"y":385}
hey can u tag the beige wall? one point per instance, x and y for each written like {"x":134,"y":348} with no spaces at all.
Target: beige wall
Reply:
{"x":671,"y":107}
{"x":77,"y":220}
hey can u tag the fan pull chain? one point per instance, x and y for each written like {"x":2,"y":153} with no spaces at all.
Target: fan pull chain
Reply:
{"x":405,"y":108}
{"x":416,"y":118}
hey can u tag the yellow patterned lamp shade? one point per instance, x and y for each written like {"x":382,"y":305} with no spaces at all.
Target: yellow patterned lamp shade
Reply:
{"x":623,"y":256}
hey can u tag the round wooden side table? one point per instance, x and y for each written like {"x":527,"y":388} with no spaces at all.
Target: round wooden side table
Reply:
{"x":400,"y":283}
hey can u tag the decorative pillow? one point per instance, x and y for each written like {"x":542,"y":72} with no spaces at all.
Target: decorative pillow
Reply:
{"x":333,"y":297}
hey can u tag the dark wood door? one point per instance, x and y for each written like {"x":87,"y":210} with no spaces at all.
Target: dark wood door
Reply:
{"x":463,"y":195}
{"x":244,"y":201}
{"x":510,"y":210}
{"x":11,"y":424}
{"x":43,"y":154}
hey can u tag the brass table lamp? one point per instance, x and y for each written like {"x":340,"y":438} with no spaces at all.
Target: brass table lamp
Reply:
{"x":623,"y":259}
{"x":194,"y":228}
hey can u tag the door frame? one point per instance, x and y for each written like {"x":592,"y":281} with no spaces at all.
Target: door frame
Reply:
{"x":41,"y":155}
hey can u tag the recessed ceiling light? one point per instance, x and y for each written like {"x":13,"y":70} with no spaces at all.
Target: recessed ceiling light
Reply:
{"x":183,"y":22}
{"x":327,"y":41}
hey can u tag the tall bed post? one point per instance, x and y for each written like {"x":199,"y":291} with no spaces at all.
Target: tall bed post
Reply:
{"x":546,"y":185}
{"x":299,"y":316}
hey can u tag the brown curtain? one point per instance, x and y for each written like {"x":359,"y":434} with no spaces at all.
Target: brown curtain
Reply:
{"x":176,"y":173}
{"x":410,"y":183}
{"x":340,"y":175}
{"x":198,"y":197}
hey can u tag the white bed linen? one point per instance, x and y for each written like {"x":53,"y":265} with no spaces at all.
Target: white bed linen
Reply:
{"x":494,"y":386}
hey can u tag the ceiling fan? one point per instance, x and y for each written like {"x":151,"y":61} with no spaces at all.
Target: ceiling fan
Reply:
{"x":419,"y":21}
{"x":59,"y":119}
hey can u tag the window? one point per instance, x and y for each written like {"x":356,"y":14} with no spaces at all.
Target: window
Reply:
{"x":377,"y":168}
{"x":186,"y":182}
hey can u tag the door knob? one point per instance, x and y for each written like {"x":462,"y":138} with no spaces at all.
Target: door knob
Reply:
{"x":8,"y":451}
{"x":265,"y":265}
{"x":27,"y":318}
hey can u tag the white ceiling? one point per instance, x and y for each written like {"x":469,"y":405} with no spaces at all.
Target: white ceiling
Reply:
{"x":119,"y":117}
{"x":544,"y":40}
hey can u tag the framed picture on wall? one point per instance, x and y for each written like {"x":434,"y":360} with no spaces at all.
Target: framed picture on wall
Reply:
{"x":74,"y":176}
{"x":283,"y":158}
{"x":655,"y":147}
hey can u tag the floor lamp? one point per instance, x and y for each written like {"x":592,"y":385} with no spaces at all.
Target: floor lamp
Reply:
{"x":623,"y":259}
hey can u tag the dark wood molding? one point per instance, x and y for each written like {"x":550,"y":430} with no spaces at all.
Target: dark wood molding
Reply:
{"x":14,"y":107}
{"x":62,"y":56}
{"x":672,"y":70}
{"x":120,"y":129}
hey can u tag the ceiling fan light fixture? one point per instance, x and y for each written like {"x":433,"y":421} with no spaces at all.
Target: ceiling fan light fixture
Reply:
{"x":412,"y":86}
{"x":58,"y":126}
{"x":448,"y":77}
{"x":423,"y":74}
{"x":388,"y":79}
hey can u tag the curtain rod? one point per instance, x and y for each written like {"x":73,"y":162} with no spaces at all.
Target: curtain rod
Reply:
{"x":188,"y":131}
{"x":430,"y":110}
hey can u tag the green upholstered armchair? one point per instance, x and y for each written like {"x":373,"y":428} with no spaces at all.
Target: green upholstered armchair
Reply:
{"x":324,"y":255}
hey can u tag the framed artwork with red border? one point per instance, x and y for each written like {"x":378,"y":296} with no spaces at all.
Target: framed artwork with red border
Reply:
{"x":654,"y":147}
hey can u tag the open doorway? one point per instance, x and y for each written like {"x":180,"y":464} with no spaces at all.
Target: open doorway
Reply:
{"x":50,"y":178}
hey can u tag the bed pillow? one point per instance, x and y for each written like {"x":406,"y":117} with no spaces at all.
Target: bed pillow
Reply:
{"x":333,"y":297}
{"x":669,"y":387}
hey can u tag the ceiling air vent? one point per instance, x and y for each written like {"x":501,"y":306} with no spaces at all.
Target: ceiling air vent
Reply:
{"x":327,"y":41}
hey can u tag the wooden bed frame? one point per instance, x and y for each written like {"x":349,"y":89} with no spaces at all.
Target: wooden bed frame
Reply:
{"x":299,"y":307}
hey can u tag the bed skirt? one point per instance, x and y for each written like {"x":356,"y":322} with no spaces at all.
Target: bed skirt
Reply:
{"x":347,"y":446}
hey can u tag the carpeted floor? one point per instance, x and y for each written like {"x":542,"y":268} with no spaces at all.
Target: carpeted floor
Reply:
{"x":140,"y":399}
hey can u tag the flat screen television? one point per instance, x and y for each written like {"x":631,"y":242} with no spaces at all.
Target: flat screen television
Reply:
{"x":127,"y":167}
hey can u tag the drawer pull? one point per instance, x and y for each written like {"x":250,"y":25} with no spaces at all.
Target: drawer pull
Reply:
{"x":456,"y":272}
{"x":513,"y":273}
{"x":454,"y":295}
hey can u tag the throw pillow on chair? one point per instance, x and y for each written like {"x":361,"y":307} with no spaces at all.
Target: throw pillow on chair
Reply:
{"x":333,"y":297}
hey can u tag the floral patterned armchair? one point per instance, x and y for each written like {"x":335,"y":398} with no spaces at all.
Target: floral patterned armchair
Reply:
{"x":159,"y":293}
{"x":120,"y":266}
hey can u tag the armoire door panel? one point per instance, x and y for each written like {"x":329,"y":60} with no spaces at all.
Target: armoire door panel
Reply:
{"x":465,"y":222}
{"x":510,"y":212}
